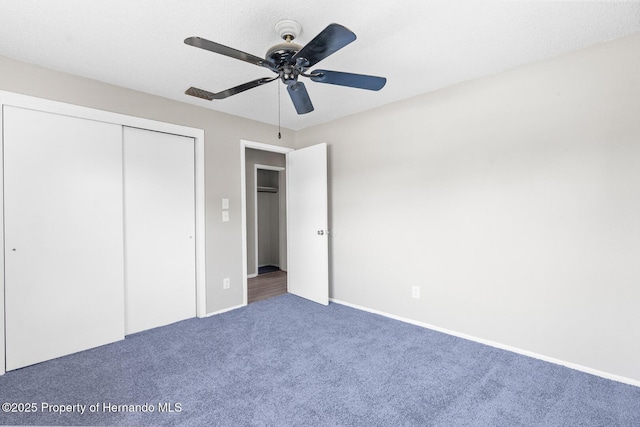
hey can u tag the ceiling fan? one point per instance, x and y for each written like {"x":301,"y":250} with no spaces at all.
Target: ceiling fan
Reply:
{"x":289,"y":61}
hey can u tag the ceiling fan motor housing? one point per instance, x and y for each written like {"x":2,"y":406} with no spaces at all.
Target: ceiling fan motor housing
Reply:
{"x":281,"y":54}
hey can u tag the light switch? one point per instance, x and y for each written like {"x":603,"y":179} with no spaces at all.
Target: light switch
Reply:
{"x":225,"y":216}
{"x":225,"y":203}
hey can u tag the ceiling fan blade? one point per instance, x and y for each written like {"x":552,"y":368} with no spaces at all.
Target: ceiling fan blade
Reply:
{"x":200,"y":93}
{"x":359,"y":81}
{"x":300,"y":98}
{"x":330,"y":40}
{"x":225,"y":50}
{"x":209,"y":96}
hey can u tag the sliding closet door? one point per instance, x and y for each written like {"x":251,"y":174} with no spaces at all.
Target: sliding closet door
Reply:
{"x":159,"y":204}
{"x":63,"y":235}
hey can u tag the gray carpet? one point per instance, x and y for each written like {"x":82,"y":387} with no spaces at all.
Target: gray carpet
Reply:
{"x":287,"y":361}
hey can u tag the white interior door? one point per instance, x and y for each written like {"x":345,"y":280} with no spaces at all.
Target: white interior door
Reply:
{"x":308,"y":246}
{"x":159,"y":206}
{"x":63,"y":235}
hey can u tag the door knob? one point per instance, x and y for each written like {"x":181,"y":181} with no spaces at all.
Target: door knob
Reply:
{"x":320,"y":232}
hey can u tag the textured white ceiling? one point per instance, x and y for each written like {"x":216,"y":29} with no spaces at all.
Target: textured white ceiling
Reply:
{"x":419,"y":45}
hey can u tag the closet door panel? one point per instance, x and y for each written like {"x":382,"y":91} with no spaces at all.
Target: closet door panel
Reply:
{"x":63,"y":235}
{"x":159,"y":204}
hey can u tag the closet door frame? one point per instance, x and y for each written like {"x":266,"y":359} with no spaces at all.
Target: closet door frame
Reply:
{"x":29,"y":102}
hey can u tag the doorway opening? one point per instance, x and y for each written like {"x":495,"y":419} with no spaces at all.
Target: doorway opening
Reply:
{"x":264,"y":217}
{"x":270,"y":231}
{"x":307,"y":244}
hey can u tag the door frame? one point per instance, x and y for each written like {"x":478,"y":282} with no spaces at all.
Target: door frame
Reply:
{"x":244,"y":144}
{"x":257,"y":167}
{"x":45,"y":105}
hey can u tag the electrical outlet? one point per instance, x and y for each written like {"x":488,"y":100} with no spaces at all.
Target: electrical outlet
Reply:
{"x":415,"y":292}
{"x":226,"y":283}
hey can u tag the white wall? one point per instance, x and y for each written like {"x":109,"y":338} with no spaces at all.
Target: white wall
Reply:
{"x":223,"y":133}
{"x":513,"y":201}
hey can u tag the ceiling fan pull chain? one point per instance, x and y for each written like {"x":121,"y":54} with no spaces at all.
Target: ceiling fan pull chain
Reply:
{"x":279,"y":135}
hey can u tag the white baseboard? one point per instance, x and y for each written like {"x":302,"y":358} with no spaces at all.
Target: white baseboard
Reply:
{"x":251,"y":276}
{"x":570,"y":365}
{"x":224,"y":310}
